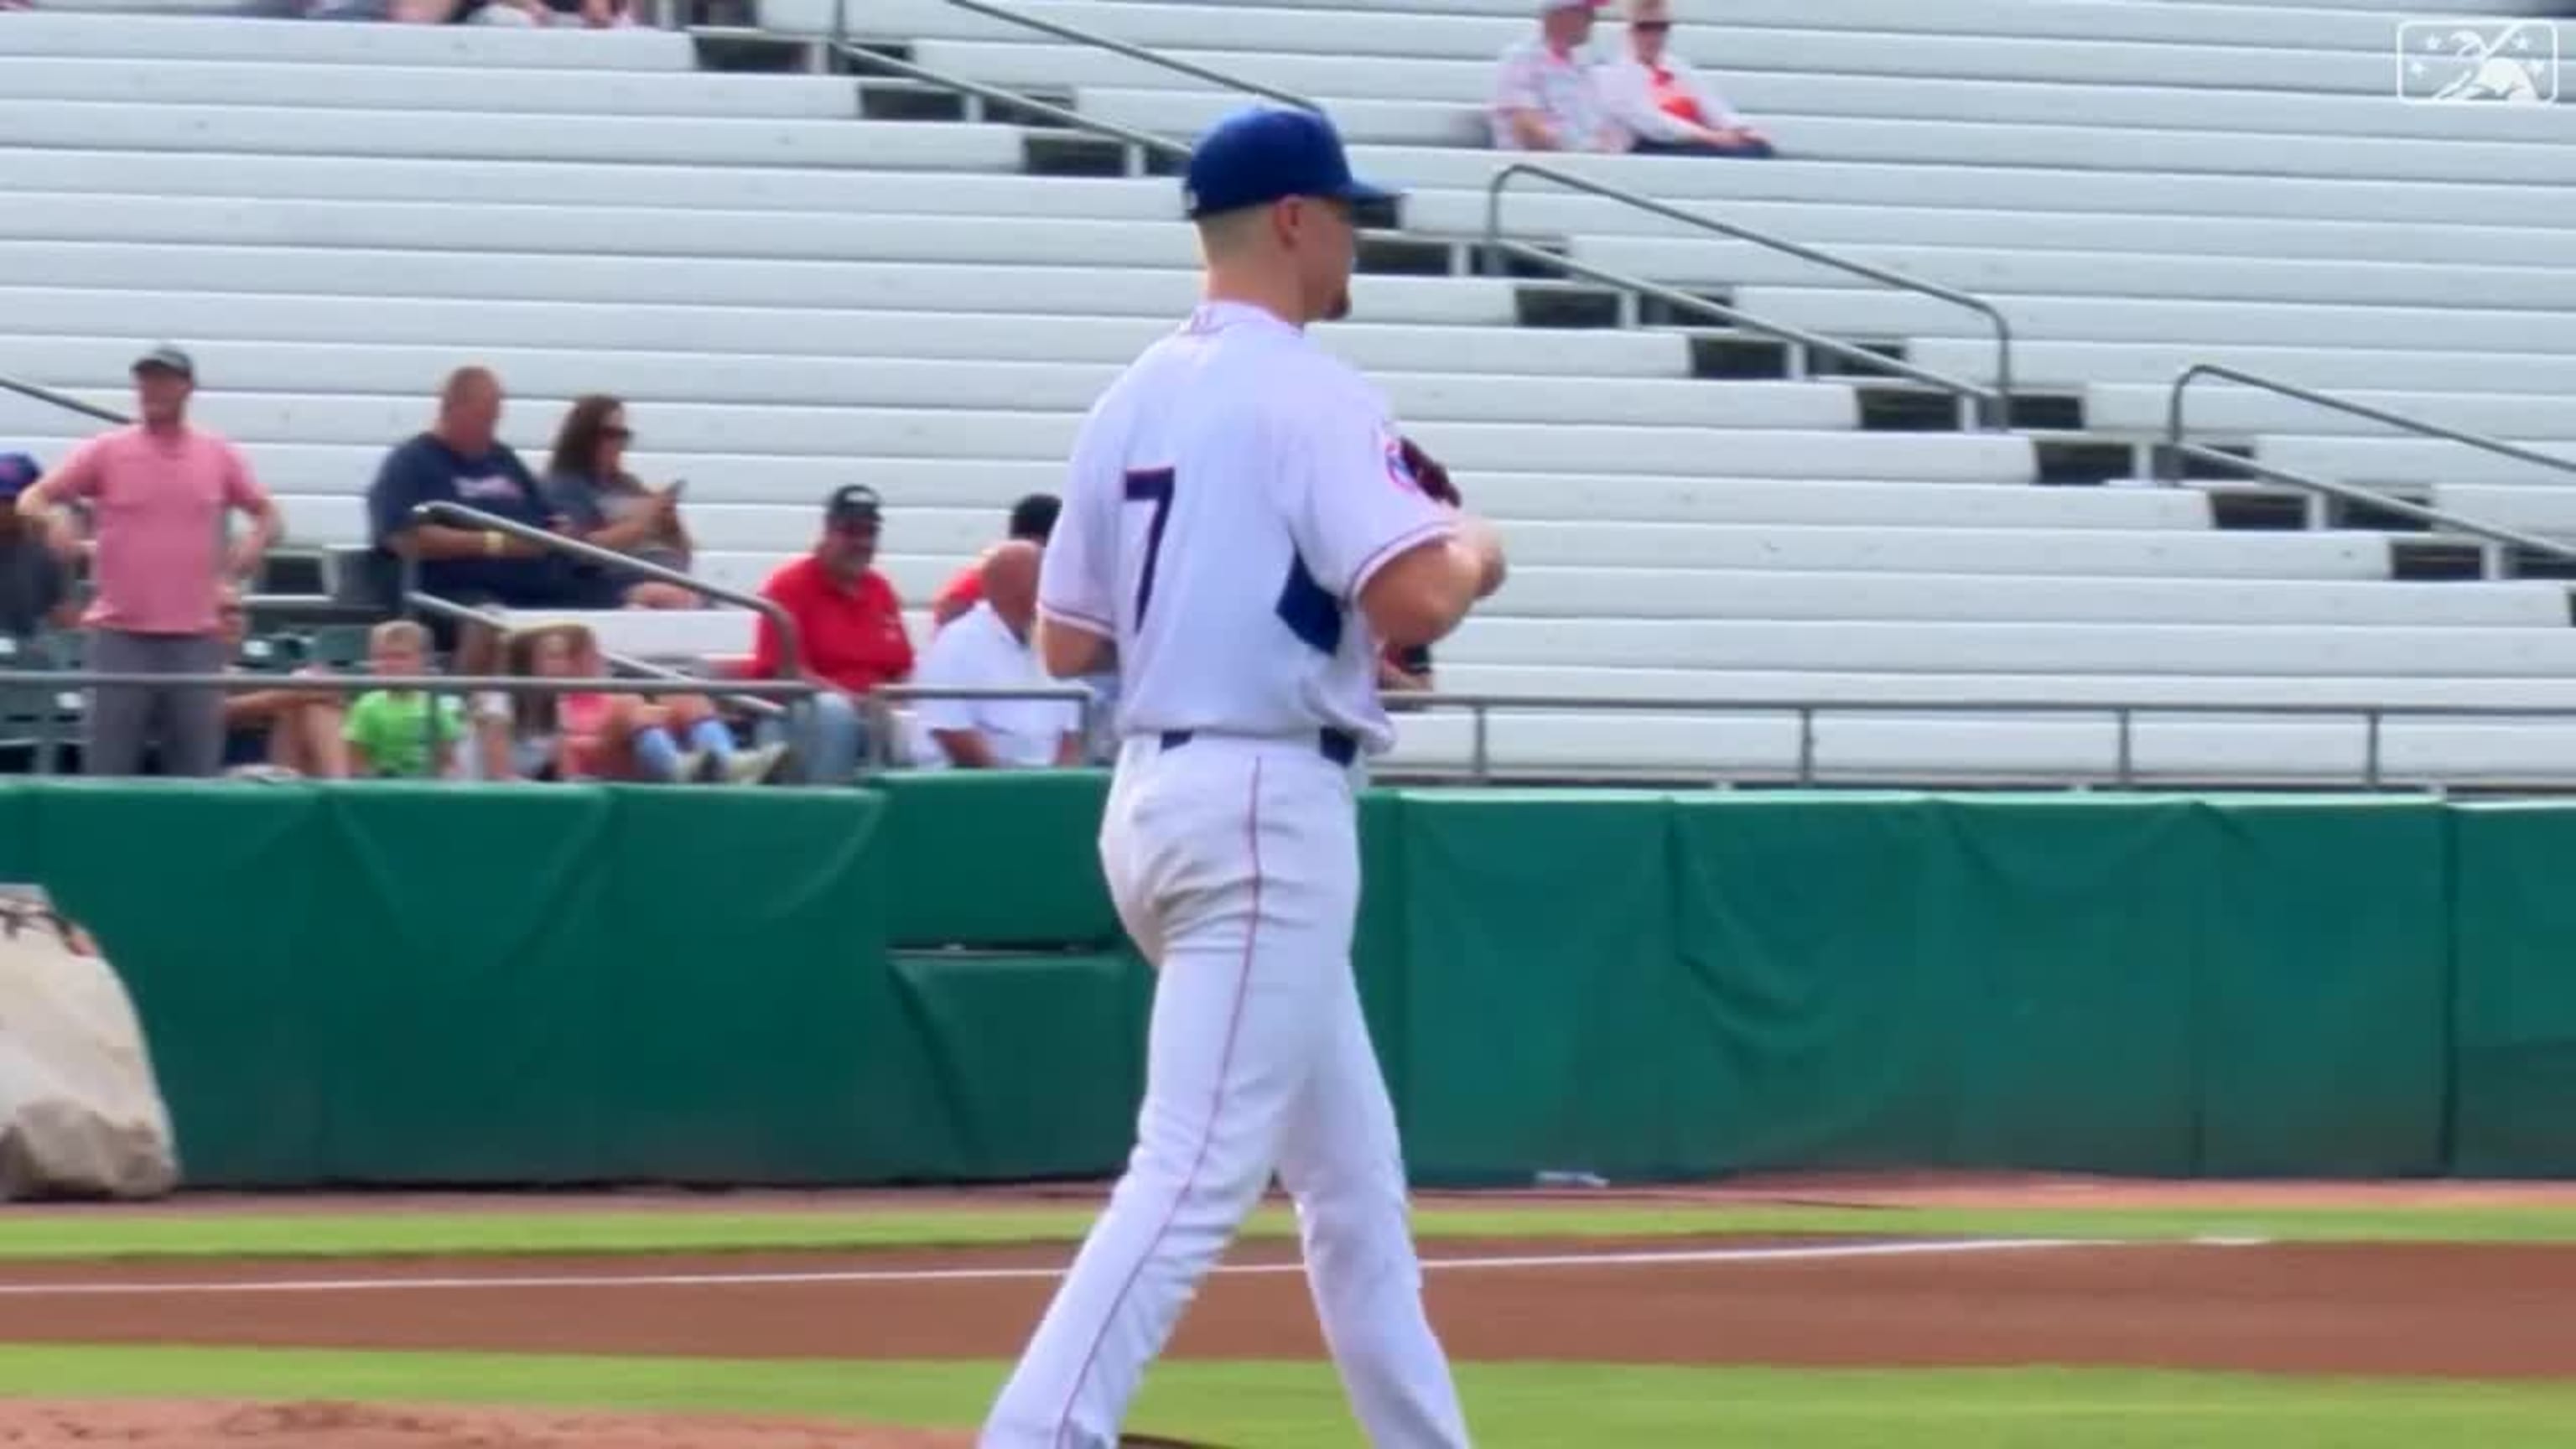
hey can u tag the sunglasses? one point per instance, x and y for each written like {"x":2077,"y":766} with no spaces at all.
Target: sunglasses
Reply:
{"x":619,"y":434}
{"x":1651,"y":27}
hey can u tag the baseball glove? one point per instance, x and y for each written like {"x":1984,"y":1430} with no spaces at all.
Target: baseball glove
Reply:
{"x":1430,"y":473}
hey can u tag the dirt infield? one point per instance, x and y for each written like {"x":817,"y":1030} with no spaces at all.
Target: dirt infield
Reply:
{"x":2451,"y":1311}
{"x":26,"y":1424}
{"x":2469,"y":1311}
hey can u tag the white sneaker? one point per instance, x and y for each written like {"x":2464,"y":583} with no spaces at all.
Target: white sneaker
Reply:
{"x":754,"y":766}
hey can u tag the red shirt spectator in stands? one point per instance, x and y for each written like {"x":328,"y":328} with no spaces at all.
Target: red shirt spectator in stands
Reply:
{"x":1032,"y":521}
{"x":846,"y":614}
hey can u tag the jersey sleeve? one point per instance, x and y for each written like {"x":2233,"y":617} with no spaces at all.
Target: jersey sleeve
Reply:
{"x":1359,"y":506}
{"x":1077,"y":579}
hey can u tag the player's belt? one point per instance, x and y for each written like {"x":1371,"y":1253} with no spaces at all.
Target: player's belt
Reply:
{"x":1339,"y":746}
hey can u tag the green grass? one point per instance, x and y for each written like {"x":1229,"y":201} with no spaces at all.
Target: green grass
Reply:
{"x":178,"y":1235}
{"x":1514,"y":1406}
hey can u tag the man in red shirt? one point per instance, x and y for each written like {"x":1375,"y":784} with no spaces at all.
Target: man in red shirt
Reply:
{"x":846,"y":614}
{"x":1032,"y":521}
{"x":850,"y":626}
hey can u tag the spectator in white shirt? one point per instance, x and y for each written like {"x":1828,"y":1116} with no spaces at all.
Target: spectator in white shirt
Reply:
{"x":1664,"y":102}
{"x":1547,"y":96}
{"x":987,"y":647}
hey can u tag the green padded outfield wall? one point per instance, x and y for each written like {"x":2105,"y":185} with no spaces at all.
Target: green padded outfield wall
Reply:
{"x":393,"y":984}
{"x":2514,"y":1026}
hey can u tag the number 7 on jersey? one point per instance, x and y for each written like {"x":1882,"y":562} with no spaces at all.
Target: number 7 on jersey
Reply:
{"x":1150,"y":485}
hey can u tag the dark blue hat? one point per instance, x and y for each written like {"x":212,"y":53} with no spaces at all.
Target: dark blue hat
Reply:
{"x":1267,"y":154}
{"x":18,"y":473}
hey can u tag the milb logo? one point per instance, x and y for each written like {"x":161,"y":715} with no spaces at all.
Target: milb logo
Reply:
{"x":2466,"y":61}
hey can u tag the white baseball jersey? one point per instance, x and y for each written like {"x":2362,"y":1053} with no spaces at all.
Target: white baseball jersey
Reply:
{"x":1230,"y":495}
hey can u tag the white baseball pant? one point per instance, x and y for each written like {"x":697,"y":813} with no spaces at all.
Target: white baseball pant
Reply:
{"x":1235,"y":866}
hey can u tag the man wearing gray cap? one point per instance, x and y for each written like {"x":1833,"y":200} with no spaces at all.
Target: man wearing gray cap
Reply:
{"x":160,"y":493}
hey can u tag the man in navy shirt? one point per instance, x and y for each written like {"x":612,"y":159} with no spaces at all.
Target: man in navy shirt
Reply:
{"x":461,"y":459}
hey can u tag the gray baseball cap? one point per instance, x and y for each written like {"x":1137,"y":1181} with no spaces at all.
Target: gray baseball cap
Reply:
{"x":166,"y":358}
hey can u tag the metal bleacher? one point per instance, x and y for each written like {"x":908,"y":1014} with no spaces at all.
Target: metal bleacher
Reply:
{"x":819,"y":271}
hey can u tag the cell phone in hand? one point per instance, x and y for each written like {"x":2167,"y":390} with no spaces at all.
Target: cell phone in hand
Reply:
{"x":678,"y":487}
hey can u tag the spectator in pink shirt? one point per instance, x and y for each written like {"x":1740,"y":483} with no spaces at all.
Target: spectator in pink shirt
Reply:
{"x":158,"y":495}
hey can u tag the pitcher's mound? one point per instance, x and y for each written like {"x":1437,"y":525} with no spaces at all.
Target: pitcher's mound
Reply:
{"x":48,"y":1424}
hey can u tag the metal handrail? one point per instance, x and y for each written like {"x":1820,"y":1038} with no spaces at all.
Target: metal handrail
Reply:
{"x":65,"y":400}
{"x":1993,"y":402}
{"x":248,"y":681}
{"x":2494,"y":533}
{"x":790,"y":645}
{"x":1983,"y":402}
{"x":1129,"y":49}
{"x":2123,"y":714}
{"x":2169,"y":464}
{"x":1144,"y":141}
{"x":880,"y":742}
{"x":642,"y":668}
{"x":2198,"y":370}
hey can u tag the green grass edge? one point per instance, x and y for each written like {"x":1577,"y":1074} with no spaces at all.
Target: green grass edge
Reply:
{"x":1515,"y":1406}
{"x":176,"y":1234}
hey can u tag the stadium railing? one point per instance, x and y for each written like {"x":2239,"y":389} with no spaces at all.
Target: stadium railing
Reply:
{"x":1481,"y":767}
{"x":1142,"y":149}
{"x":1080,"y":36}
{"x":2494,"y":561}
{"x":790,"y":643}
{"x":1985,"y":407}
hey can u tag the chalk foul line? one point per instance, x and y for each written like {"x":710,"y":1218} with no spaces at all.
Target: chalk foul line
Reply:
{"x":824,"y":1277}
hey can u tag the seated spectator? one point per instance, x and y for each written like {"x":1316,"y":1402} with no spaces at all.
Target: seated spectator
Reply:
{"x":588,"y":487}
{"x":604,"y":734}
{"x":35,"y":579}
{"x":282,"y":731}
{"x":388,"y":730}
{"x":988,"y":648}
{"x":594,"y":14}
{"x":1548,"y":96}
{"x":1665,"y":102}
{"x":461,"y":459}
{"x":490,"y":751}
{"x":1032,"y":520}
{"x":851,"y":625}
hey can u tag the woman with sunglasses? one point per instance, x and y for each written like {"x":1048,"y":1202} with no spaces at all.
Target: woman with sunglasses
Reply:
{"x":1665,"y":102}
{"x":587,"y":484}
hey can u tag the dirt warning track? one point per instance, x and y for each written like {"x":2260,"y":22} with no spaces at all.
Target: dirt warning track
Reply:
{"x":2441,"y":1310}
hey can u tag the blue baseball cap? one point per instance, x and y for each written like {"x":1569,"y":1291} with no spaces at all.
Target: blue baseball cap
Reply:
{"x":1266,"y":154}
{"x":18,"y":473}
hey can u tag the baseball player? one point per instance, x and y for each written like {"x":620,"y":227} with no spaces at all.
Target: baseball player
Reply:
{"x":1242,"y":531}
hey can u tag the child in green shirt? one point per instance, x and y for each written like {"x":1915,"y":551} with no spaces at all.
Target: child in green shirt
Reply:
{"x":388,"y":729}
